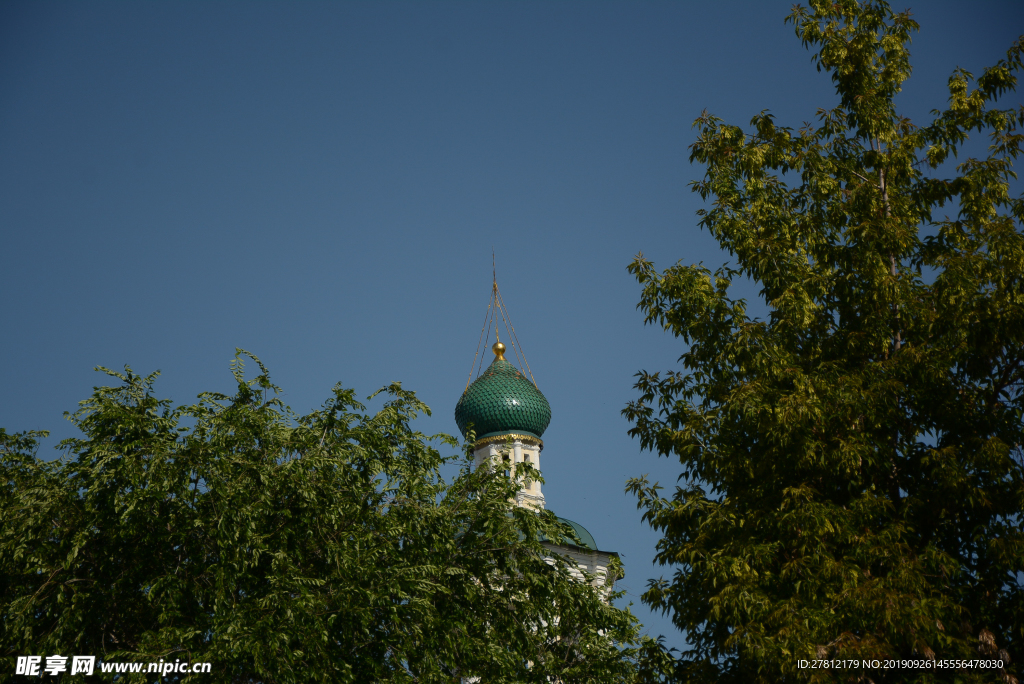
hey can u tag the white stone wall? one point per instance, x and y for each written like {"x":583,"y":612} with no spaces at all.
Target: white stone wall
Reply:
{"x":588,"y":563}
{"x":501,"y":456}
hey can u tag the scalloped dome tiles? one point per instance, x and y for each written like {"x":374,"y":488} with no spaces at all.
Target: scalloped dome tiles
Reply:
{"x":502,"y":400}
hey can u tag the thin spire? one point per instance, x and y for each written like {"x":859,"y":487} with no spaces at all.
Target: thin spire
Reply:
{"x":496,"y":307}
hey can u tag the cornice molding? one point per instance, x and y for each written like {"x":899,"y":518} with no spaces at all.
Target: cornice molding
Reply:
{"x":511,"y":436}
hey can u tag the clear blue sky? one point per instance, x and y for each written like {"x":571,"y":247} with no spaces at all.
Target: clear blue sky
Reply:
{"x":322,"y":184}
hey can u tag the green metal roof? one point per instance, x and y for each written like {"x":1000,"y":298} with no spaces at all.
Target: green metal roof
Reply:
{"x":586,"y":539}
{"x":502,"y":400}
{"x":581,"y":532}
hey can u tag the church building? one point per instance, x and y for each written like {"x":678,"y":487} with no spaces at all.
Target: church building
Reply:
{"x":506,"y":409}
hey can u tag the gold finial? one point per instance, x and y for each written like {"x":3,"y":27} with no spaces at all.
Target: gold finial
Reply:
{"x":499,"y":350}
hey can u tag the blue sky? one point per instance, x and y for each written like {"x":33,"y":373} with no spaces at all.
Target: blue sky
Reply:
{"x":323,"y":183}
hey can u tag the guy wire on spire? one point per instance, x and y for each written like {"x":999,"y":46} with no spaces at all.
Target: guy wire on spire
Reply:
{"x":486,"y":316}
{"x":514,"y":339}
{"x":495,"y":306}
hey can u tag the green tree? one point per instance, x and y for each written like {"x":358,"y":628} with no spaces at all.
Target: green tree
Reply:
{"x":320,"y":548}
{"x":852,"y":470}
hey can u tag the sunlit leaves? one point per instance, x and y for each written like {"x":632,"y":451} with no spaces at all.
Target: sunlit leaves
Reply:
{"x":852,"y":469}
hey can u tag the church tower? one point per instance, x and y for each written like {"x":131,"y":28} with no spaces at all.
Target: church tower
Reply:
{"x":503,"y":407}
{"x":508,"y":415}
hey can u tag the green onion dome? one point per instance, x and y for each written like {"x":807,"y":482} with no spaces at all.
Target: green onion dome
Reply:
{"x":502,"y":401}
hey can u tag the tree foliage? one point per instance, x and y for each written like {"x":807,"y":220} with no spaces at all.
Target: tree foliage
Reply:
{"x":279,"y":548}
{"x":852,"y":468}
